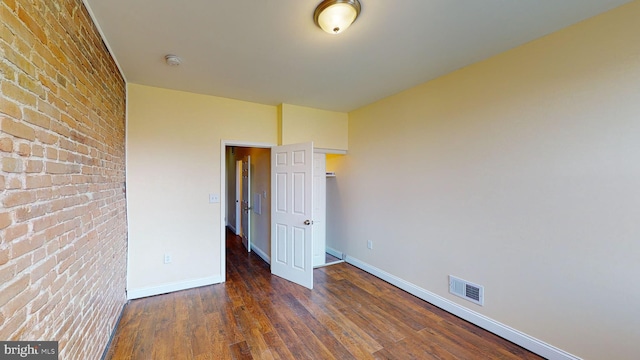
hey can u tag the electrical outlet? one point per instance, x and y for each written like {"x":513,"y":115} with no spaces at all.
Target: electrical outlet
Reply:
{"x":369,"y":244}
{"x":167,"y":258}
{"x":214,"y":198}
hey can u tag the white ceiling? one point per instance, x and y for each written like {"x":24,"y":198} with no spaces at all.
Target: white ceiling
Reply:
{"x":271,"y":52}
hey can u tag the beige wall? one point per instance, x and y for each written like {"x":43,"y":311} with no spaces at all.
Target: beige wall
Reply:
{"x":260,"y":184}
{"x":230,"y":160}
{"x":335,"y":211}
{"x":520,"y":173}
{"x":173,"y":164}
{"x":327,"y":129}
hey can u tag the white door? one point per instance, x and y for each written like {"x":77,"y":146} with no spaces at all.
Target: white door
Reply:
{"x":291,"y":213}
{"x":246,"y":202}
{"x":238,"y":223}
{"x":319,"y":209}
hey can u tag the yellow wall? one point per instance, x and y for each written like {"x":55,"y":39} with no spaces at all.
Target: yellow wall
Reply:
{"x":260,"y":230}
{"x":520,"y":173}
{"x":173,"y":164}
{"x":327,"y":129}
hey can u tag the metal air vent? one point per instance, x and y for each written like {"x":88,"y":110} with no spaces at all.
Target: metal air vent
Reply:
{"x":466,"y":290}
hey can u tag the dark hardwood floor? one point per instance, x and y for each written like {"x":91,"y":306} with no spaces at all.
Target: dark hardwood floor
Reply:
{"x":253,"y":315}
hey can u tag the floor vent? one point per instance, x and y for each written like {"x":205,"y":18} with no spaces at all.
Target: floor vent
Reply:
{"x":466,"y":290}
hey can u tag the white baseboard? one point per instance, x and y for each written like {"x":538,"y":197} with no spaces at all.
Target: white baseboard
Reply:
{"x":334,"y":253}
{"x":261,"y":253}
{"x":167,"y":288}
{"x":528,"y":342}
{"x":233,"y":228}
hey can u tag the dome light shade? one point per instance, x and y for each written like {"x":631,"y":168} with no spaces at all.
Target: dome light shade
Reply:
{"x":335,"y":16}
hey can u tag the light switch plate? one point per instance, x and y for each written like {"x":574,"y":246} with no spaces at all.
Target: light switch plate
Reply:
{"x":214,"y":198}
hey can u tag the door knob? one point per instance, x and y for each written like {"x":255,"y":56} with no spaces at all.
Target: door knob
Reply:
{"x":308,"y":222}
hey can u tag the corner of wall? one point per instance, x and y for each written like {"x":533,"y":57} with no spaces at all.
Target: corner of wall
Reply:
{"x":280,"y":127}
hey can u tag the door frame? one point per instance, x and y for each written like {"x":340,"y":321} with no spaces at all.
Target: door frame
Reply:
{"x":238,"y":196}
{"x":223,"y":194}
{"x":245,"y":224}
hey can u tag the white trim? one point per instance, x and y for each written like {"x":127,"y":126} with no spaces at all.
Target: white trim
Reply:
{"x":104,"y":38}
{"x":261,"y":253}
{"x":526,"y":341}
{"x":330,"y":151}
{"x":167,"y":288}
{"x":126,"y":182}
{"x":232,"y":228}
{"x":223,"y":195}
{"x":335,"y":253}
{"x":328,"y":264}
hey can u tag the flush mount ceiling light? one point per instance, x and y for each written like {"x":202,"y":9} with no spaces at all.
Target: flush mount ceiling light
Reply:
{"x":172,"y":60}
{"x":335,"y":16}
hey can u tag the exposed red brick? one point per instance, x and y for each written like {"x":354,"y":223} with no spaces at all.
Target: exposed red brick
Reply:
{"x":15,"y":231}
{"x":49,"y":110}
{"x":5,"y":220}
{"x":4,"y":256}
{"x":14,"y":183}
{"x":28,"y":83}
{"x":24,"y":150}
{"x":13,"y":288}
{"x":52,"y":153}
{"x":10,"y":108}
{"x":6,"y":144}
{"x":39,"y":302}
{"x":46,"y":137}
{"x":51,"y":86}
{"x":17,"y":198}
{"x":31,"y":212}
{"x":17,"y":129}
{"x":16,"y":26}
{"x":11,"y":4}
{"x":36,"y":118}
{"x":37,"y":150}
{"x":7,"y":272}
{"x":18,"y":94}
{"x":20,"y":301}
{"x":32,"y":25}
{"x":12,"y":165}
{"x":34,"y":166}
{"x":13,"y":324}
{"x":63,"y":218}
{"x":43,"y":223}
{"x":42,"y":269}
{"x":22,"y":247}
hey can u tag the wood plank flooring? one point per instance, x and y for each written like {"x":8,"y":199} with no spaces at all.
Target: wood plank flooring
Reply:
{"x":253,"y":315}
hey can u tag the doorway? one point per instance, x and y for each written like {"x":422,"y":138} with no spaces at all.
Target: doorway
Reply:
{"x":246,"y":185}
{"x":257,"y":200}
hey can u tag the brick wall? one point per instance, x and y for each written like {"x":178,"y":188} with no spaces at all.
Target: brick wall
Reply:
{"x":62,"y":177}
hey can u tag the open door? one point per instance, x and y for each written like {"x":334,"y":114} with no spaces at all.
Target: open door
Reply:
{"x":246,"y":202}
{"x":238,"y":224}
{"x":291,"y":213}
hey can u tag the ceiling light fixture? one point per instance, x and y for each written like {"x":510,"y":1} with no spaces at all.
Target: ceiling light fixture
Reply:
{"x":172,"y":60}
{"x":335,"y":16}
